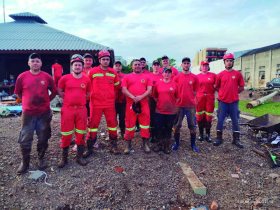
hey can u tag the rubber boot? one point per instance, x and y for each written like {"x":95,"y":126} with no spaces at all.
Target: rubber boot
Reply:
{"x":89,"y":152}
{"x":236,"y":140}
{"x":208,"y":128}
{"x":166,"y":146}
{"x":64,"y":158}
{"x":114,"y":147}
{"x":201,"y":129}
{"x":176,"y":144}
{"x":156,"y":147}
{"x":24,"y":165}
{"x":146,"y":146}
{"x":79,"y":156}
{"x":42,"y":164}
{"x":128,"y":147}
{"x":219,"y":140}
{"x":193,"y":145}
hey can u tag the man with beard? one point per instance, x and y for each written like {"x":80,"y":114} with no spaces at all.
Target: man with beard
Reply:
{"x":32,"y":87}
{"x":75,"y":86}
{"x":229,"y":84}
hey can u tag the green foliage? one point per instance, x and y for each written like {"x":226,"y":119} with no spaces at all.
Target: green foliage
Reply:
{"x":127,"y":69}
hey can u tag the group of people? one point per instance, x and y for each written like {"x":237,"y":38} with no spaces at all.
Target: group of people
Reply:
{"x":156,"y":102}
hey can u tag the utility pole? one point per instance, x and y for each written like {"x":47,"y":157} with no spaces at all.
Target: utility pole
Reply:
{"x":4,"y":11}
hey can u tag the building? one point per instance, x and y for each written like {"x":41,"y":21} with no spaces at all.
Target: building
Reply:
{"x":29,"y":33}
{"x":208,"y":54}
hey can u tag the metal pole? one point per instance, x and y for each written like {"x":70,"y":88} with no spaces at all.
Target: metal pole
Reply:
{"x":4,"y":11}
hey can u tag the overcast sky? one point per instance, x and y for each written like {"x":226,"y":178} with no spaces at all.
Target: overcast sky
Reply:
{"x":152,"y":28}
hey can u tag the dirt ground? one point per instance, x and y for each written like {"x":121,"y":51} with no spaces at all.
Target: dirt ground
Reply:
{"x":149,"y":181}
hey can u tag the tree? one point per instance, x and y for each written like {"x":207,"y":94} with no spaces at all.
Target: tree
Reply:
{"x":172,"y":61}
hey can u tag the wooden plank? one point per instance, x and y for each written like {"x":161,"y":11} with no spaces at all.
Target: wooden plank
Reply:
{"x":195,"y":183}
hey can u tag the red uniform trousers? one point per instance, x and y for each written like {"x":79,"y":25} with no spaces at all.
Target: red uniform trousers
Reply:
{"x":56,"y":79}
{"x":111,"y":120}
{"x":205,"y":107}
{"x":143,"y":119}
{"x":73,"y":120}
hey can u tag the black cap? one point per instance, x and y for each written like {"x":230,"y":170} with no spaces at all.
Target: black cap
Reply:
{"x":142,"y":59}
{"x":164,"y":57}
{"x":167,"y":69}
{"x":156,"y":62}
{"x":34,"y":55}
{"x":186,"y":59}
{"x":87,"y":55}
{"x":118,"y":62}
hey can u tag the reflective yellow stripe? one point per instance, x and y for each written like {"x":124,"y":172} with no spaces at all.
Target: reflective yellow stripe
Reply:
{"x":110,"y":75}
{"x":93,"y":129}
{"x":200,"y":113}
{"x":81,"y":131}
{"x":97,"y":75}
{"x":209,"y":113}
{"x":112,"y":129}
{"x":130,"y":129}
{"x":67,"y":133}
{"x":117,"y":83}
{"x":144,"y":126}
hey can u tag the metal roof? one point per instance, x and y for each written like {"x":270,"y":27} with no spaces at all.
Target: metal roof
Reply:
{"x":29,"y":32}
{"x":262,"y":49}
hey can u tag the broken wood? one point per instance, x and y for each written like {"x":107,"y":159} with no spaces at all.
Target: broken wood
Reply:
{"x":195,"y":183}
{"x":259,"y":152}
{"x":259,"y":101}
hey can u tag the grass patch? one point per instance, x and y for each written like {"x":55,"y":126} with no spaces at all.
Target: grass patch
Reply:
{"x":268,"y":107}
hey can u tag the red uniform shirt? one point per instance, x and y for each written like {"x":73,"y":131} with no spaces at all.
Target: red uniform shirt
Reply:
{"x":57,"y":69}
{"x":187,"y":87}
{"x":34,"y":92}
{"x":75,"y":90}
{"x":166,"y":95}
{"x":146,"y":71}
{"x":103,"y":85}
{"x":206,"y":83}
{"x":120,"y":97}
{"x":136,"y":84}
{"x":175,"y":72}
{"x":227,"y":84}
{"x":86,"y":71}
{"x":155,"y":78}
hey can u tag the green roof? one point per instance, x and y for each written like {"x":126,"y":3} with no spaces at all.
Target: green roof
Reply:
{"x":30,"y":32}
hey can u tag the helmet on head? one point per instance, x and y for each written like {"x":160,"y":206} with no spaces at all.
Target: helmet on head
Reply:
{"x":103,"y":53}
{"x":228,"y":56}
{"x":76,"y":58}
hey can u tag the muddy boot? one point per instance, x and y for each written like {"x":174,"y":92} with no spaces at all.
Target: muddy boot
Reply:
{"x":89,"y":152}
{"x":114,"y":147}
{"x":236,"y":140}
{"x":166,"y":146}
{"x":128,"y":147}
{"x":201,"y":129}
{"x":219,"y":140}
{"x":208,"y":128}
{"x":146,"y":146}
{"x":24,"y":165}
{"x":193,"y":144}
{"x":64,"y":158}
{"x":176,"y":144}
{"x":79,"y":155}
{"x":156,"y":147}
{"x":42,"y":164}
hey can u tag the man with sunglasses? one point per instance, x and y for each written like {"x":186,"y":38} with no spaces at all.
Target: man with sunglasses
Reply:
{"x":104,"y":82}
{"x":187,"y":84}
{"x":229,"y":84}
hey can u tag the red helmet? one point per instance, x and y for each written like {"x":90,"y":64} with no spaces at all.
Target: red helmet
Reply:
{"x":228,"y":56}
{"x":76,"y":58}
{"x":103,"y":53}
{"x":204,"y":63}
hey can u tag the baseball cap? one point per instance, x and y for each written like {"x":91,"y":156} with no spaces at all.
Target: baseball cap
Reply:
{"x":34,"y":55}
{"x":156,"y":62}
{"x":118,"y":62}
{"x":142,"y":59}
{"x":164,"y":57}
{"x":186,"y":59}
{"x":87,"y":55}
{"x":204,"y":63}
{"x":167,"y":69}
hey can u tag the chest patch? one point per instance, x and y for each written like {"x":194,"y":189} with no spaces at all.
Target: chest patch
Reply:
{"x":43,"y":82}
{"x":190,"y":82}
{"x":233,"y":77}
{"x":83,"y":85}
{"x":143,"y":80}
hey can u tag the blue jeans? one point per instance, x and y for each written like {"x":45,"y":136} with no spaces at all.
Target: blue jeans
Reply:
{"x":190,"y":115}
{"x":228,"y":109}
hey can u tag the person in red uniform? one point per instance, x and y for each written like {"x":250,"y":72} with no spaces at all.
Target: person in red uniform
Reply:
{"x":187,"y":84}
{"x":104,"y":82}
{"x":88,"y":61}
{"x":165,"y":93}
{"x":120,"y":99}
{"x":76,"y":86}
{"x":205,"y":98}
{"x":57,"y":71}
{"x":166,"y":64}
{"x":144,"y":66}
{"x":229,"y":84}
{"x":32,"y":88}
{"x":137,"y":87}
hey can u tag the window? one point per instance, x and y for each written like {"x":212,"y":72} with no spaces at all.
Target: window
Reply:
{"x":247,"y":76}
{"x":261,"y":75}
{"x":278,"y":70}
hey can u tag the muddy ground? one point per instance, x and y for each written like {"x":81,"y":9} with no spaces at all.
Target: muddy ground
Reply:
{"x":149,"y":181}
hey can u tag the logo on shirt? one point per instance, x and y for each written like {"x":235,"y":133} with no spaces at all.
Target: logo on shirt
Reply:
{"x":209,"y":78}
{"x":233,"y":77}
{"x":43,"y":82}
{"x":83,"y":85}
{"x":190,"y":82}
{"x":171,"y":88}
{"x":143,"y":80}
